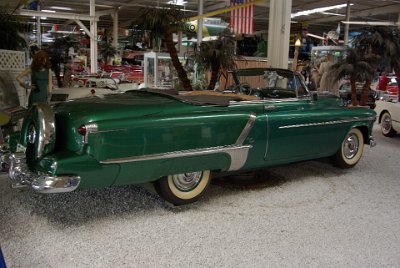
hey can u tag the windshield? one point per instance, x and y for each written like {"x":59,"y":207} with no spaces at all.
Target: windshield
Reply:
{"x":270,"y":83}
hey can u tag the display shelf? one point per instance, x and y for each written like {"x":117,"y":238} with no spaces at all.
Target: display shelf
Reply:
{"x":159,"y":71}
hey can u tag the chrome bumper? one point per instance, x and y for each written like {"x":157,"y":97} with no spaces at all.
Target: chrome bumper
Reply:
{"x":372,"y":141}
{"x":21,"y":176}
{"x":4,"y":159}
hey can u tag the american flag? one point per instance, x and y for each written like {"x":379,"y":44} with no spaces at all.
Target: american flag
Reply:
{"x":242,"y":19}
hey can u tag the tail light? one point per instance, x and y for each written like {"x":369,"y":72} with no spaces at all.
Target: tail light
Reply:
{"x":84,"y":131}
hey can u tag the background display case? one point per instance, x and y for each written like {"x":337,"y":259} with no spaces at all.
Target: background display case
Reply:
{"x":159,"y":71}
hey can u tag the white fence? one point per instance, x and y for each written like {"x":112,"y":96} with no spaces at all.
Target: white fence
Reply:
{"x":14,"y":62}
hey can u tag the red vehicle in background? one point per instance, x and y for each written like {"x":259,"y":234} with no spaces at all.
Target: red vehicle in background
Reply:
{"x":125,"y":72}
{"x":77,"y":67}
{"x":392,"y":87}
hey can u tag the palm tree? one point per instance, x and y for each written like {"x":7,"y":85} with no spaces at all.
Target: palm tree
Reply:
{"x":216,"y":54}
{"x":58,"y":53}
{"x":162,"y":22}
{"x":383,"y":42}
{"x":107,"y":51}
{"x":10,"y":31}
{"x":358,"y":69}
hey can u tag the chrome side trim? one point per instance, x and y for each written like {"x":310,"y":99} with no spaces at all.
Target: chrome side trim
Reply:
{"x":246,"y":130}
{"x":21,"y":176}
{"x":267,"y":137}
{"x":238,"y":154}
{"x":336,"y":122}
{"x":247,"y":102}
{"x":238,"y":157}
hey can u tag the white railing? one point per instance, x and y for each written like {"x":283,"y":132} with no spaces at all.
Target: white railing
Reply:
{"x":13,"y":62}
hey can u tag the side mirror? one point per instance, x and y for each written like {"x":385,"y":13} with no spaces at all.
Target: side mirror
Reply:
{"x":314,"y":96}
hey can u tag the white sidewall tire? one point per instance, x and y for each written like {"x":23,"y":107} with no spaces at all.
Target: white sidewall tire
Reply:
{"x":205,"y":178}
{"x":387,"y":132}
{"x":168,"y":188}
{"x":352,"y":161}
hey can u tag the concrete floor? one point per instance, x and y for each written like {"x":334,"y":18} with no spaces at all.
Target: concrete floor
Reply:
{"x":315,"y":215}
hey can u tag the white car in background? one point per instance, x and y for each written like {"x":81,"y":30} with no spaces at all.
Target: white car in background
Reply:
{"x":388,"y":112}
{"x":92,"y":87}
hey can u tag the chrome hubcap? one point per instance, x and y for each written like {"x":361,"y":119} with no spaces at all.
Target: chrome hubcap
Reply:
{"x":31,"y":136}
{"x":350,"y":146}
{"x":386,"y":123}
{"x":187,"y":181}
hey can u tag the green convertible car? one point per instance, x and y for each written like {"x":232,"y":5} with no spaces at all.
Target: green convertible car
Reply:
{"x":177,"y":141}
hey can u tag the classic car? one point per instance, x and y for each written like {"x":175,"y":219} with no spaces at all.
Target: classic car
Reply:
{"x":178,"y":141}
{"x":392,"y":87}
{"x":345,"y":93}
{"x":388,"y":112}
{"x":92,"y":87}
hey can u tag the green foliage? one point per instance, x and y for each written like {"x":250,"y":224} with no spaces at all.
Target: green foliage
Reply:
{"x":11,"y":30}
{"x":216,"y":54}
{"x":355,"y":65}
{"x":62,"y":45}
{"x":58,"y":52}
{"x":220,"y":52}
{"x":162,"y":22}
{"x":381,"y":41}
{"x":159,"y":20}
{"x":261,"y":49}
{"x":107,"y":51}
{"x":358,"y":66}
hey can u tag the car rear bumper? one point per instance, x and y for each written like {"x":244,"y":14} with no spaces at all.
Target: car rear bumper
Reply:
{"x":21,"y":176}
{"x":3,"y":159}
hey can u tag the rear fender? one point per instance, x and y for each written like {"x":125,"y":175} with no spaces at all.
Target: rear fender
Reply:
{"x":131,"y":139}
{"x":38,"y":132}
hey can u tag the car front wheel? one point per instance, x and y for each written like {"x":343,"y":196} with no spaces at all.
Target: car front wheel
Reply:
{"x":185,"y":188}
{"x":386,"y":125}
{"x":350,"y":150}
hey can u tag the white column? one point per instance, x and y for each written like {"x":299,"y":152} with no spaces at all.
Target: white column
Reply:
{"x":38,"y":30}
{"x":93,"y":39}
{"x":279,"y":33}
{"x":115,"y":28}
{"x":347,"y":26}
{"x":200,"y":23}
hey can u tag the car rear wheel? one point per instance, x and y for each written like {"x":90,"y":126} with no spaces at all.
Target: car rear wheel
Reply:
{"x":350,"y":150}
{"x":185,"y":188}
{"x":386,"y":125}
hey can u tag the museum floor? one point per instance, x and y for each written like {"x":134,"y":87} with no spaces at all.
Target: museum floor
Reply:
{"x":313,"y":215}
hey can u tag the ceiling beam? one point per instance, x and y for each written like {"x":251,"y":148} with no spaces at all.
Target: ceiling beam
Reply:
{"x":225,"y":10}
{"x":56,"y":15}
{"x":364,"y":13}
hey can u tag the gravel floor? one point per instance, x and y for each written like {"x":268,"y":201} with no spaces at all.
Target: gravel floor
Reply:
{"x":314,"y":216}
